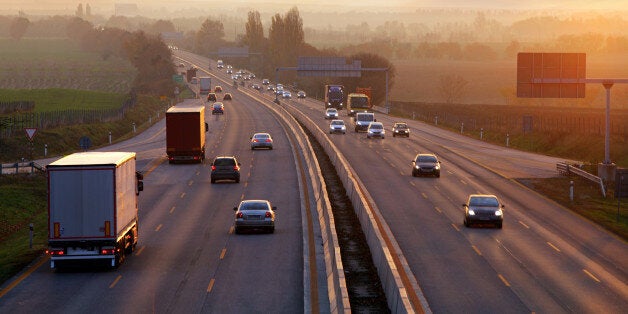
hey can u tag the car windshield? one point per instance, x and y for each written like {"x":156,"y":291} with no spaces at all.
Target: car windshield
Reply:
{"x":217,"y":106}
{"x":483,"y":201}
{"x":377,"y":126}
{"x":254,"y":206}
{"x":332,"y":110}
{"x":401,"y":126}
{"x":337,"y":122}
{"x":224,"y":162}
{"x":261,"y":136}
{"x":426,"y":159}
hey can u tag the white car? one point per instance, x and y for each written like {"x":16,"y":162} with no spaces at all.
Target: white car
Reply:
{"x":331,"y":113}
{"x":337,"y":126}
{"x":375,"y":129}
{"x":287,"y":95}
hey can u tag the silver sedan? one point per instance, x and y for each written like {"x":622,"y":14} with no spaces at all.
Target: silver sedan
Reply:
{"x":337,"y":126}
{"x":261,"y":140}
{"x":255,"y":214}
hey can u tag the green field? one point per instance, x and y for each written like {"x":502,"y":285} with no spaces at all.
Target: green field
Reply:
{"x":57,"y":99}
{"x":42,"y":63}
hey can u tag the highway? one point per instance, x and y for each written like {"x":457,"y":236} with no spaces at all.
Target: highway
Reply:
{"x":188,"y":259}
{"x":545,"y":259}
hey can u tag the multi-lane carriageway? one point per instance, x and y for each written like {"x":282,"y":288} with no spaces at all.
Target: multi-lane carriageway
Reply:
{"x":545,"y":259}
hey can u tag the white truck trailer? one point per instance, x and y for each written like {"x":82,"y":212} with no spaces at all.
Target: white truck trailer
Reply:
{"x":92,"y":207}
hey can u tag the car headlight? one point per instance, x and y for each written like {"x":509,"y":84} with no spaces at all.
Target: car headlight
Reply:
{"x":396,"y":131}
{"x":498,"y":212}
{"x":471,"y":212}
{"x":343,"y":127}
{"x":437,"y":167}
{"x":417,"y":167}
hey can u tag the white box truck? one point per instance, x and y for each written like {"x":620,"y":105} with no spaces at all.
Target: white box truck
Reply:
{"x":92,"y":207}
{"x":204,"y":85}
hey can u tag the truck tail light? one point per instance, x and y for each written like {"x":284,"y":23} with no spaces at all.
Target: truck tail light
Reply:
{"x":107,"y":251}
{"x":55,"y":252}
{"x":107,"y":228}
{"x":213,"y":168}
{"x":268,"y":215}
{"x":236,"y":168}
{"x":239,"y":215}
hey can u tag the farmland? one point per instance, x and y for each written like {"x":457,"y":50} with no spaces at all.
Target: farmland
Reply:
{"x":38,"y":63}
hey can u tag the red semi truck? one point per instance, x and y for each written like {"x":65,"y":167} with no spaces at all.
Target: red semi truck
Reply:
{"x":185,"y":134}
{"x":92,"y":207}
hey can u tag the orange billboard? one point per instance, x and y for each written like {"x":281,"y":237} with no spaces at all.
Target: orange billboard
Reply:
{"x":551,"y":75}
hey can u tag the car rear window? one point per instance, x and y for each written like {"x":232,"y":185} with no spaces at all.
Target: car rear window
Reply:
{"x":224,"y":162}
{"x":254,"y":206}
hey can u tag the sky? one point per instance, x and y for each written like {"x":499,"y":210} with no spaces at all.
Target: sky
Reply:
{"x":106,"y":6}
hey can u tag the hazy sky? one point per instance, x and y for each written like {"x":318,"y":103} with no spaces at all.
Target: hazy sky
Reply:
{"x":105,"y":7}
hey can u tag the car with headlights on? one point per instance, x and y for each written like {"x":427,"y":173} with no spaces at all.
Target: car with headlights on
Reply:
{"x":331,"y":113}
{"x":225,"y":168}
{"x":254,"y":214}
{"x":337,"y":126}
{"x":261,"y":140}
{"x":265,"y":81}
{"x":426,"y":165}
{"x":400,"y":129}
{"x":287,"y":95}
{"x":483,"y":209}
{"x":375,"y":129}
{"x":301,"y":94}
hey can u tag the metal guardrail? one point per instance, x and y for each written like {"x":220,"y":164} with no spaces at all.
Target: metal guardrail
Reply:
{"x":568,"y":170}
{"x":21,"y":167}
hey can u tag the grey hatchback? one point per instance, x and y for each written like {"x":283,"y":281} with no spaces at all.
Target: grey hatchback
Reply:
{"x":255,"y":214}
{"x":225,"y":168}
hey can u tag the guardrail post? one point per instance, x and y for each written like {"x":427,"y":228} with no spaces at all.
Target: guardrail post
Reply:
{"x":571,"y":191}
{"x":507,"y":140}
{"x":109,"y":137}
{"x":45,"y":150}
{"x":134,"y":127}
{"x":30,"y":238}
{"x":481,"y":133}
{"x":461,"y":127}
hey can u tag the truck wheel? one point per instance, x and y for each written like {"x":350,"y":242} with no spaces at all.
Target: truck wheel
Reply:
{"x":213,"y":180}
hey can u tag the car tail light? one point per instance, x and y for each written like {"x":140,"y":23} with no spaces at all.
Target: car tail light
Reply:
{"x":107,"y":251}
{"x":236,"y":168}
{"x":268,"y":215}
{"x":55,"y":252}
{"x":213,"y":168}
{"x":268,"y":140}
{"x":239,"y":215}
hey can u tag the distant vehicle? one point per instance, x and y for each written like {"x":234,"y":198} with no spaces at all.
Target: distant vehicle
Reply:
{"x":361,"y":120}
{"x":225,"y":168}
{"x":482,"y":209}
{"x":220,"y":64}
{"x":400,"y":129}
{"x":331,"y":113}
{"x":254,"y":214}
{"x":92,"y":207}
{"x":270,"y":88}
{"x":265,"y":81}
{"x":227,"y":97}
{"x":205,"y":85}
{"x":287,"y":95}
{"x":185,"y":134}
{"x":218,"y":108}
{"x":218,"y":89}
{"x":334,"y":96}
{"x":229,"y":71}
{"x":358,"y":103}
{"x":375,"y":129}
{"x":211,"y":97}
{"x":301,"y":94}
{"x":256,"y":86}
{"x":425,"y":164}
{"x":337,"y":126}
{"x":261,"y":140}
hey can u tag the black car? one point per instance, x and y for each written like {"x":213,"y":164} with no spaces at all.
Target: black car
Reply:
{"x":211,"y":97}
{"x":225,"y":168}
{"x":483,"y":209}
{"x":425,"y":165}
{"x":227,"y":97}
{"x":400,"y":129}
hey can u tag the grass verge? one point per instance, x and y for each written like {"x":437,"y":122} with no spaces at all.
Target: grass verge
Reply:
{"x":23,"y":202}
